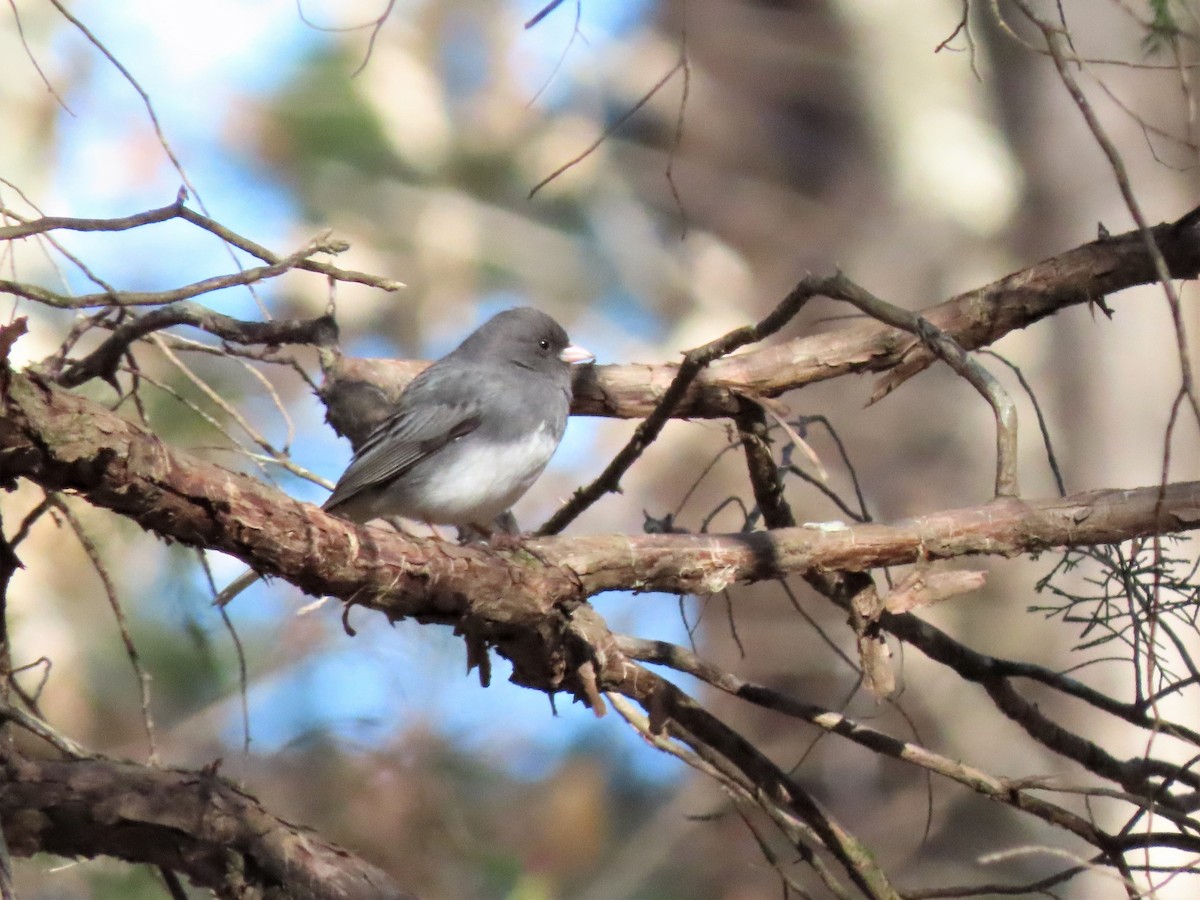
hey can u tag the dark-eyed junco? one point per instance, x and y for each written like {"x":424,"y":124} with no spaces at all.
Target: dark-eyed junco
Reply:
{"x":468,"y":436}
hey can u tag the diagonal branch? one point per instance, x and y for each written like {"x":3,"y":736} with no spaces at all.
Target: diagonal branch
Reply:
{"x":694,"y":362}
{"x":1001,"y":790}
{"x":177,"y":210}
{"x":1055,"y":38}
{"x":240,"y":278}
{"x":1138,"y":775}
{"x":973,"y":319}
{"x":189,"y":822}
{"x":792,"y":808}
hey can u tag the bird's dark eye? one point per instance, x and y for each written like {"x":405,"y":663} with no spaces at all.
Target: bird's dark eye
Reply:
{"x":544,"y":344}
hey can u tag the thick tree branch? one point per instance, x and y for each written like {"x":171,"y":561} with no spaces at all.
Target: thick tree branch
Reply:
{"x":709,"y":563}
{"x":196,"y":824}
{"x":973,"y":319}
{"x":63,"y":441}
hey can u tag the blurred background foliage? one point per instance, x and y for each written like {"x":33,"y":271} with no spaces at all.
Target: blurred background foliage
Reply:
{"x":815,"y":134}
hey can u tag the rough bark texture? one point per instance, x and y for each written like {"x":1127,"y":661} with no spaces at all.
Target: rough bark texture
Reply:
{"x":520,"y":600}
{"x":193,"y":823}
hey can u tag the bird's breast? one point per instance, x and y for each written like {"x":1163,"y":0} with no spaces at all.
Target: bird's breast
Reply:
{"x":475,"y":479}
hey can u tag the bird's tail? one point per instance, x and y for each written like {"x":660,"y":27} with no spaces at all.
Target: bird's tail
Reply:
{"x":236,"y":586}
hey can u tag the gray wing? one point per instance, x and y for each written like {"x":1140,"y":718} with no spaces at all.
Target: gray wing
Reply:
{"x":421,"y":426}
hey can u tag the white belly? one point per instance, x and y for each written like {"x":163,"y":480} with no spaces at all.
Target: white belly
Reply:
{"x":474,"y":484}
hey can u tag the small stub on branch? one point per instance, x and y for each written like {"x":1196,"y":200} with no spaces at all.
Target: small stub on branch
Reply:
{"x":924,"y":588}
{"x":591,"y":690}
{"x":919,"y":588}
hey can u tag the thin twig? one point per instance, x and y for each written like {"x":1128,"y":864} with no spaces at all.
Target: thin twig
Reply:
{"x":694,"y":362}
{"x":114,"y":602}
{"x":1055,"y":37}
{"x":178,"y":210}
{"x":35,"y":726}
{"x":608,"y":132}
{"x":945,"y":347}
{"x":102,"y":361}
{"x":185,"y":292}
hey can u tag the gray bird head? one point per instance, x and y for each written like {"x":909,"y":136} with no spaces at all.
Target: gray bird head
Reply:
{"x":525,"y":337}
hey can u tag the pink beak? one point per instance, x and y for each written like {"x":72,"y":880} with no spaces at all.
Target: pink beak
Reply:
{"x":576,"y":355}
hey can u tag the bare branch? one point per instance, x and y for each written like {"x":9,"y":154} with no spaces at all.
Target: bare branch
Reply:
{"x":973,"y":319}
{"x":1055,"y":37}
{"x":672,"y":711}
{"x":119,"y":465}
{"x":103,"y":361}
{"x":694,"y":362}
{"x":999,"y":789}
{"x":157,"y":298}
{"x":177,"y":210}
{"x":114,"y":603}
{"x":681,"y":64}
{"x":190,"y":822}
{"x":35,"y":726}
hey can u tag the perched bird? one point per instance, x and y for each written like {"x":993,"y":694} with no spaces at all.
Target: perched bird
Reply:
{"x":468,"y":436}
